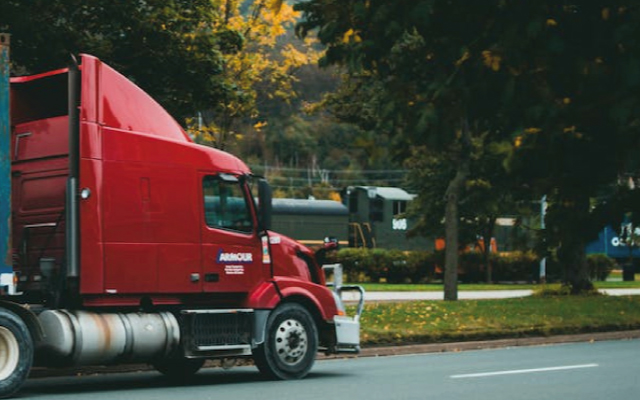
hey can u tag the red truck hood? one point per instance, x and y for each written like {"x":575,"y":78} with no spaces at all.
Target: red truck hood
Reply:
{"x":291,"y":258}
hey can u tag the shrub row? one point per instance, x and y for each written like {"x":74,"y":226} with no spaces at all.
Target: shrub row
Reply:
{"x":395,"y":266}
{"x":505,"y":267}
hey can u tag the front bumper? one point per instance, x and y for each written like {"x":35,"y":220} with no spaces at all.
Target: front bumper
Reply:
{"x":347,"y":328}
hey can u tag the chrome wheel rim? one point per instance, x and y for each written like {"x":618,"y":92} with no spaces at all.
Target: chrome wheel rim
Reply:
{"x":9,"y":353}
{"x":291,"y":342}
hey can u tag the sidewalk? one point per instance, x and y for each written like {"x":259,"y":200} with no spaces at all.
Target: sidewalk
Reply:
{"x":464,"y":295}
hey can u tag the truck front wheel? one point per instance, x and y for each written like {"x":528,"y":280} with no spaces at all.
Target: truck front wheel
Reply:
{"x":16,"y":353}
{"x":291,"y":343}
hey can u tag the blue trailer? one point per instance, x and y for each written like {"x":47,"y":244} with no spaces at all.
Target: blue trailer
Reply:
{"x":6,"y":269}
{"x":613,"y":245}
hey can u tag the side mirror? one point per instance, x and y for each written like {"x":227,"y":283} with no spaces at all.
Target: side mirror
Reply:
{"x":264,"y":204}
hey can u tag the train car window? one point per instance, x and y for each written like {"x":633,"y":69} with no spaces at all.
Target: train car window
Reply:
{"x":376,"y":213}
{"x":399,"y":207}
{"x":353,"y":202}
{"x":225,"y":205}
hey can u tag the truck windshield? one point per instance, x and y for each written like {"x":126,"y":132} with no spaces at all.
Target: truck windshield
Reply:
{"x":225,"y":205}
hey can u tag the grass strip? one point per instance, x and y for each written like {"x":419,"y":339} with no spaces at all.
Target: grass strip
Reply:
{"x":439,"y":321}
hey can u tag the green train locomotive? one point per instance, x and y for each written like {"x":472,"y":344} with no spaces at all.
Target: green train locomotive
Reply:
{"x":368,"y":216}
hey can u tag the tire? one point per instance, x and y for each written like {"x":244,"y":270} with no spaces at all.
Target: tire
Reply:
{"x":179,"y":369}
{"x":16,"y":353}
{"x":290,"y":345}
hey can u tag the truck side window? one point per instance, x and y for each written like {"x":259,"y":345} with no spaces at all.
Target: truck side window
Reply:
{"x":225,"y":205}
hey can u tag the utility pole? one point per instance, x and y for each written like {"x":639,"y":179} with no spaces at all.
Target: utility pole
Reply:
{"x":543,"y":261}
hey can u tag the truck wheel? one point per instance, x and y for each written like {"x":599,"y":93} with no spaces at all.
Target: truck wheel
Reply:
{"x":290,"y":345}
{"x":179,"y":369}
{"x":16,"y":353}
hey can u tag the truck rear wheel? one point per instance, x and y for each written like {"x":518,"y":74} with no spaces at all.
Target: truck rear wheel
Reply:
{"x":291,"y":343}
{"x":16,"y":353}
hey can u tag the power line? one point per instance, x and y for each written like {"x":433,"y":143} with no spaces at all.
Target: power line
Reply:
{"x":330,"y":171}
{"x":293,"y":179}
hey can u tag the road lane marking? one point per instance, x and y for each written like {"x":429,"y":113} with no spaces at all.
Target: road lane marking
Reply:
{"x":523,"y":371}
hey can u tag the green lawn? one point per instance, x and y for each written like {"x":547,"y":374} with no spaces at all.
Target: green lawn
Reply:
{"x":438,"y":321}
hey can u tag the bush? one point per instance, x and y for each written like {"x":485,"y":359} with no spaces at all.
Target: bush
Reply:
{"x":395,"y":266}
{"x":600,"y":266}
{"x":558,"y":290}
{"x":514,"y":266}
{"x":392,"y":266}
{"x":421,"y":266}
{"x":354,"y":263}
{"x":552,"y":291}
{"x":471,"y":267}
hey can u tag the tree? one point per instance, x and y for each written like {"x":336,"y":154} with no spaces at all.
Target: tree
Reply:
{"x":434,"y":90}
{"x":559,"y":79}
{"x":580,"y":131}
{"x":489,"y":193}
{"x":172,"y":50}
{"x":260,"y":71}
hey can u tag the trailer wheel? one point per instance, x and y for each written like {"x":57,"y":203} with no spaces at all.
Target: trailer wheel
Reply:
{"x":179,"y":369}
{"x":291,"y":343}
{"x":16,"y":353}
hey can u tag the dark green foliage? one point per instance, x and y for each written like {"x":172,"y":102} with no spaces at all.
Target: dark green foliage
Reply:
{"x":600,"y":266}
{"x":554,"y":84}
{"x":426,"y":86}
{"x":172,"y":50}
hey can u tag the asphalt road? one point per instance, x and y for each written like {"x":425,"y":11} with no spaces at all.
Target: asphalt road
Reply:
{"x":599,"y":370}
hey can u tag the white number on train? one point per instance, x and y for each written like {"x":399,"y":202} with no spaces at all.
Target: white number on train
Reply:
{"x":399,"y":224}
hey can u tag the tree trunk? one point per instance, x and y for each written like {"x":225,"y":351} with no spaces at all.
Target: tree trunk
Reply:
{"x":575,"y":267}
{"x":451,"y":241}
{"x":452,"y":197}
{"x":571,"y":253}
{"x":486,"y":238}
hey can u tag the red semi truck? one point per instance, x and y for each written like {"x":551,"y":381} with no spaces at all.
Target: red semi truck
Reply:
{"x":132,"y":244}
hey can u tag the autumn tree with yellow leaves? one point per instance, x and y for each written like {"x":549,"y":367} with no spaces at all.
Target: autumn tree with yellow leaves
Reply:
{"x":555,"y":84}
{"x":261,"y":69}
{"x":211,"y":61}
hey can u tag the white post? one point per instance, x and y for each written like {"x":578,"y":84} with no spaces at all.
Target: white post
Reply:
{"x":543,"y":262}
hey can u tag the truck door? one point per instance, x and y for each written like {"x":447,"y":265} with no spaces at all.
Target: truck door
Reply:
{"x":231,"y":247}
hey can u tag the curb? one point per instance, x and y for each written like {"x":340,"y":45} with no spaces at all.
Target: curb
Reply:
{"x":494,"y":344}
{"x":374,"y":351}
